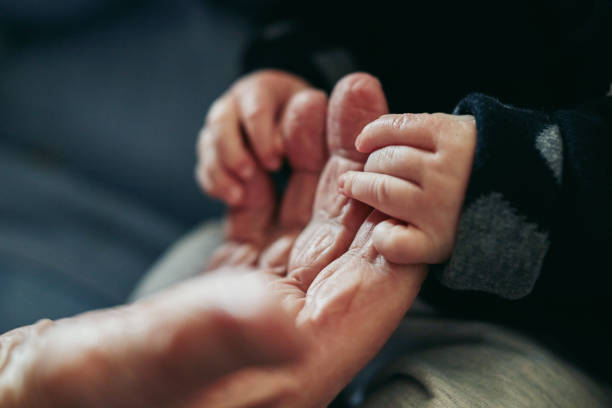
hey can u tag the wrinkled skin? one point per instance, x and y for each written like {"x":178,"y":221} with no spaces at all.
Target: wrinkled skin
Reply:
{"x":345,"y":297}
{"x":159,"y":352}
{"x":290,"y":315}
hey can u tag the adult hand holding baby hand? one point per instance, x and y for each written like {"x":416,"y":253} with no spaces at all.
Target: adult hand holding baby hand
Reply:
{"x":345,"y":298}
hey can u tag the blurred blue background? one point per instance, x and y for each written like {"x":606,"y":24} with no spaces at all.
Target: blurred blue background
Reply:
{"x":100,"y":105}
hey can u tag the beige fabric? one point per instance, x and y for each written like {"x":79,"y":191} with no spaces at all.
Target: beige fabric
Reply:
{"x":430,"y":361}
{"x":183,"y":260}
{"x":463,"y":364}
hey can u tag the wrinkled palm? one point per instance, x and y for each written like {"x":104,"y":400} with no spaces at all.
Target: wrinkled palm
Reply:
{"x":346,"y":299}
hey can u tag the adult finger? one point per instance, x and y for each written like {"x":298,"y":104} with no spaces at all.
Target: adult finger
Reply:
{"x":361,"y":298}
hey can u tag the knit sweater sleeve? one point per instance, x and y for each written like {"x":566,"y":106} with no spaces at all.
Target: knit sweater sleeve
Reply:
{"x":533,"y":173}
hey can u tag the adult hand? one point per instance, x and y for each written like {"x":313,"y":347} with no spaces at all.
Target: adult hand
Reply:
{"x":253,"y":224}
{"x":341,"y":296}
{"x":158,"y":352}
{"x":344,"y":297}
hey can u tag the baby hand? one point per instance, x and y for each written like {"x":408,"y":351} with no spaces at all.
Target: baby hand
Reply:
{"x":242,"y":133}
{"x":417,"y":171}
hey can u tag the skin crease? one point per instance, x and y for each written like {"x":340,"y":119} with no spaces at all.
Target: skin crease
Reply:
{"x":157,"y":352}
{"x":343,"y":294}
{"x":269,"y":327}
{"x":250,"y":226}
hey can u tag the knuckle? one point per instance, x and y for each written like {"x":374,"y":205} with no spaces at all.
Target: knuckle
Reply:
{"x":403,"y":120}
{"x":413,"y":120}
{"x":399,"y":121}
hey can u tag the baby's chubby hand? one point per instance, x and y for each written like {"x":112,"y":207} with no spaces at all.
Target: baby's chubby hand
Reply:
{"x":417,"y":172}
{"x":243,"y":131}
